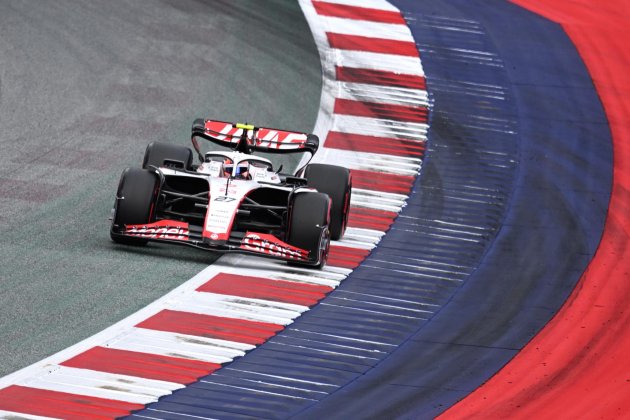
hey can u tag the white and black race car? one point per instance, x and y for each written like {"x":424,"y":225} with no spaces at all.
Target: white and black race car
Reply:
{"x":234,"y":200}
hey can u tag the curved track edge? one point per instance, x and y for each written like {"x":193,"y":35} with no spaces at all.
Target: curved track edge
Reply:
{"x":500,"y":78}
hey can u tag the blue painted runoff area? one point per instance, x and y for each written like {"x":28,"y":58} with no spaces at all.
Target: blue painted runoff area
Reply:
{"x":503,"y":220}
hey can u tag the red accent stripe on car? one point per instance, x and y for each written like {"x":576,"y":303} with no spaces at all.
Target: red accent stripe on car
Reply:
{"x":262,"y":288}
{"x":358,"y":13}
{"x":346,"y":257}
{"x":417,"y":114}
{"x":210,"y":326}
{"x":370,"y":44}
{"x":371,"y":144}
{"x":143,"y":365}
{"x":380,"y":77}
{"x":378,"y":181}
{"x":365,"y":218}
{"x":42,"y":402}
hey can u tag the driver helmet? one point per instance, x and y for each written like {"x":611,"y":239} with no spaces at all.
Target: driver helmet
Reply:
{"x":227,"y":167}
{"x":242,"y":170}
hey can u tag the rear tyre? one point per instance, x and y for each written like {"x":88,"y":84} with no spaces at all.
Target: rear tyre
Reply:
{"x":135,"y":203}
{"x":336,"y":181}
{"x":163,"y":154}
{"x":308,"y":225}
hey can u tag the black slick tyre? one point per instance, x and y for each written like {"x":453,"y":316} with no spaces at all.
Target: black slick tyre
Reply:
{"x":164,"y":154}
{"x":336,"y":181}
{"x":135,"y":203}
{"x":308,"y":221}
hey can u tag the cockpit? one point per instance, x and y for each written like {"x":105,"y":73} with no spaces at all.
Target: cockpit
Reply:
{"x":237,"y":166}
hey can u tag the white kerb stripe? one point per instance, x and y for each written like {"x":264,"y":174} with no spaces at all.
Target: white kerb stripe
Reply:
{"x":246,"y":304}
{"x":12,"y":415}
{"x":372,"y":4}
{"x":377,"y":200}
{"x":360,"y":239}
{"x":290,"y":275}
{"x":369,"y":235}
{"x":235,"y":307}
{"x":377,"y":61}
{"x":103,"y":385}
{"x":379,"y":127}
{"x":273,"y":265}
{"x":171,"y":344}
{"x":382,"y":94}
{"x":398,"y":165}
{"x":211,"y":345}
{"x":263,"y":267}
{"x":393,"y":31}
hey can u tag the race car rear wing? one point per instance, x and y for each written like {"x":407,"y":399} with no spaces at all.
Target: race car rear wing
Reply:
{"x":247,"y":138}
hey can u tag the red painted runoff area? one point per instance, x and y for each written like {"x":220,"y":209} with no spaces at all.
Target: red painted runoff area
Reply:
{"x":42,"y":402}
{"x":267,"y":289}
{"x":578,"y":365}
{"x":359,"y":13}
{"x":370,"y":44}
{"x":143,"y":365}
{"x":210,"y":326}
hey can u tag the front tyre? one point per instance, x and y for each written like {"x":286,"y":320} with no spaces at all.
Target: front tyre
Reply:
{"x":135,"y":203}
{"x":167,"y":155}
{"x":308,"y":225}
{"x":336,"y":181}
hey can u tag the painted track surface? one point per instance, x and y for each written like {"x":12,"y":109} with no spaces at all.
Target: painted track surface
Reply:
{"x":577,"y":367}
{"x":80,"y":98}
{"x":497,"y":57}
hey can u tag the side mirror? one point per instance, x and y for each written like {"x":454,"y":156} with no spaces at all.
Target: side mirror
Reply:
{"x":312,"y":143}
{"x":199,"y":125}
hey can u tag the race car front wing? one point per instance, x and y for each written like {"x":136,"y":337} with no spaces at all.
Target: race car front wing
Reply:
{"x":182,"y":233}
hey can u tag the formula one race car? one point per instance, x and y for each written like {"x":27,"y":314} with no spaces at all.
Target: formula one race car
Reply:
{"x":233,"y":200}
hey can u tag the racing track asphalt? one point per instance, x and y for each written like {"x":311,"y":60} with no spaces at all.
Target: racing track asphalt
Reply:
{"x":84,"y":86}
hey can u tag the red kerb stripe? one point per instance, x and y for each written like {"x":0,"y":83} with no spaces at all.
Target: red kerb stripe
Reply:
{"x":372,"y":144}
{"x":417,"y":114}
{"x":346,"y":257}
{"x":42,"y":402}
{"x":232,"y":329}
{"x":262,"y":288}
{"x":370,"y":219}
{"x":144,"y":365}
{"x":343,"y":263}
{"x":400,"y":184}
{"x":358,"y":13}
{"x":380,"y":77}
{"x":370,"y":44}
{"x":349,"y":252}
